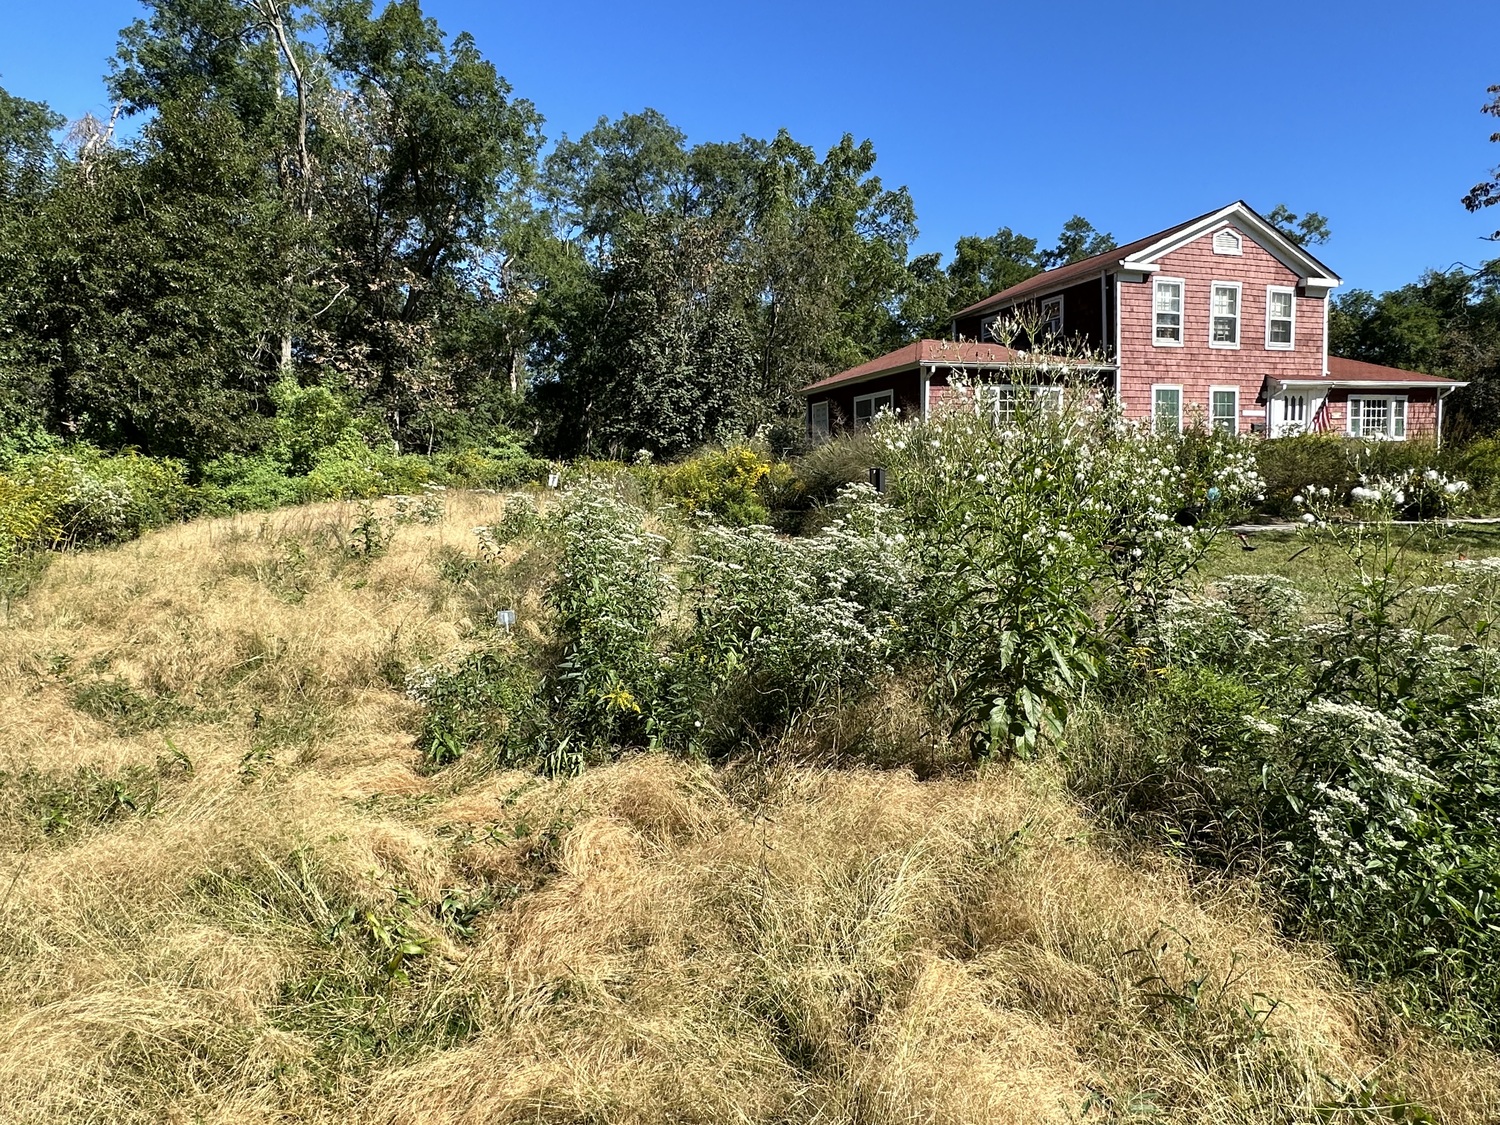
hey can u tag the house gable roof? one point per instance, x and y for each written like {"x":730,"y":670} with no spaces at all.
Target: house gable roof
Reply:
{"x":1142,"y":255}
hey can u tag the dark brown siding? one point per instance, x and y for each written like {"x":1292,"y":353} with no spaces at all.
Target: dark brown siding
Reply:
{"x":1087,"y":315}
{"x":907,"y":386}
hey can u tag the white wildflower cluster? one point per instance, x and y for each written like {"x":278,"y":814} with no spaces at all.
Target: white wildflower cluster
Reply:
{"x":814,"y":611}
{"x":426,"y":507}
{"x":1316,"y":505}
{"x":1368,"y":809}
{"x":421,"y":683}
{"x":1410,"y":493}
{"x":1240,"y":621}
{"x":1487,"y":567}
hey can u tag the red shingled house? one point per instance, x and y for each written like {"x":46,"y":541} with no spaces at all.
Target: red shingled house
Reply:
{"x":1222,"y":318}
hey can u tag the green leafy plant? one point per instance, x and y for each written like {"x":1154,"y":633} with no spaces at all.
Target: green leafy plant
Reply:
{"x":1042,"y":539}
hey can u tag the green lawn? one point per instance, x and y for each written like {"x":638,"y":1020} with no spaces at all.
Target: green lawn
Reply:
{"x":1299,"y":557}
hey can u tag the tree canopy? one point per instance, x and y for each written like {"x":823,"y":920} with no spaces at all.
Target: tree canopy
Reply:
{"x":1486,"y":193}
{"x":340,"y":195}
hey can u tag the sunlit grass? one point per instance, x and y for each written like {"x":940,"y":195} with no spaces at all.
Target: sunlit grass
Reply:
{"x":228,"y":894}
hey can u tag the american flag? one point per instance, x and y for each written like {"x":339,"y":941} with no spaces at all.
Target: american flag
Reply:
{"x":1322,"y":422}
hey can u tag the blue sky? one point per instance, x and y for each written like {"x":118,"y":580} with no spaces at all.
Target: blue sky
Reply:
{"x":1136,"y":116}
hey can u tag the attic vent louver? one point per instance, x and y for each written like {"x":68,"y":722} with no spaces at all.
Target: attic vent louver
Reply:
{"x":1227,"y":242}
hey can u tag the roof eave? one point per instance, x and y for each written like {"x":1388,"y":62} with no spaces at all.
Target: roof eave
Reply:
{"x":1420,"y":381}
{"x":1313,"y":273}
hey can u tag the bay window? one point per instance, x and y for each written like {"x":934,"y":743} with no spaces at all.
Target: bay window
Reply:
{"x":1004,"y":402}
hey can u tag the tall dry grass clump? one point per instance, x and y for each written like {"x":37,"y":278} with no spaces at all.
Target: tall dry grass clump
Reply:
{"x":229,"y":894}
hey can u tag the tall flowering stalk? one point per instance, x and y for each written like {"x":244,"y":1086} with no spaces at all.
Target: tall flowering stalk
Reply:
{"x":1041,"y":540}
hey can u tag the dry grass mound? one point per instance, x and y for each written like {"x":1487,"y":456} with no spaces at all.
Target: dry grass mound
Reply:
{"x":228,"y":894}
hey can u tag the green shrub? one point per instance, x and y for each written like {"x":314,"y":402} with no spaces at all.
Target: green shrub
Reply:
{"x":486,"y":700}
{"x":82,"y":497}
{"x":351,"y":470}
{"x":733,"y":484}
{"x":1288,"y":465}
{"x":495,"y":466}
{"x":238,"y":483}
{"x":1041,"y":544}
{"x":1478,"y":462}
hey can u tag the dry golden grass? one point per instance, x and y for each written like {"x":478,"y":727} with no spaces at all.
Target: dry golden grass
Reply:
{"x":656,"y":941}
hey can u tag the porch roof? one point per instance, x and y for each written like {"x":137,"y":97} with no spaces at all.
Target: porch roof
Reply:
{"x":932,"y":353}
{"x":1357,"y":373}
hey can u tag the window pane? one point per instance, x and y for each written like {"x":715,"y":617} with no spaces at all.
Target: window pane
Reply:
{"x":1005,"y":404}
{"x":1225,"y":331}
{"x":1167,"y":407}
{"x":1398,"y":418}
{"x":1223,"y":409}
{"x":1374,"y":417}
{"x":1281,"y":305}
{"x":1281,"y":332}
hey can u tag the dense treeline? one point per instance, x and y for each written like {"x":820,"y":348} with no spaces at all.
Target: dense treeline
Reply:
{"x":1446,"y":323}
{"x":354,"y":201}
{"x":319,"y":197}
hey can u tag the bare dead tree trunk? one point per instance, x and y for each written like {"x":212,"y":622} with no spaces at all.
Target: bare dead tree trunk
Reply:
{"x":270,"y":12}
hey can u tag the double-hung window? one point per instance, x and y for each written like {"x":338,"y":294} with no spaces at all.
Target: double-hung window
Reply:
{"x":866,"y":407}
{"x":1281,"y":315}
{"x":1383,"y":417}
{"x":1052,"y":315}
{"x":1224,"y":408}
{"x":1167,"y":330}
{"x":817,"y":424}
{"x":1166,"y":407}
{"x":1224,"y":315}
{"x":1005,"y":403}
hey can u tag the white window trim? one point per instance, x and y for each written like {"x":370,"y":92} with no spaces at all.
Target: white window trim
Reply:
{"x":988,"y":396}
{"x":1166,"y":387}
{"x":1390,"y":415}
{"x":1239,"y":314}
{"x":1292,"y":342}
{"x":1046,"y":320}
{"x":1284,"y":402}
{"x":819,"y":429}
{"x":1181,"y":313}
{"x":873,"y":398}
{"x":986,"y":325}
{"x":1235,"y":428}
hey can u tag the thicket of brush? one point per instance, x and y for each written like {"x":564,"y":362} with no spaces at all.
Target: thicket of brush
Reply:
{"x":233,"y":894}
{"x":303,"y":825}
